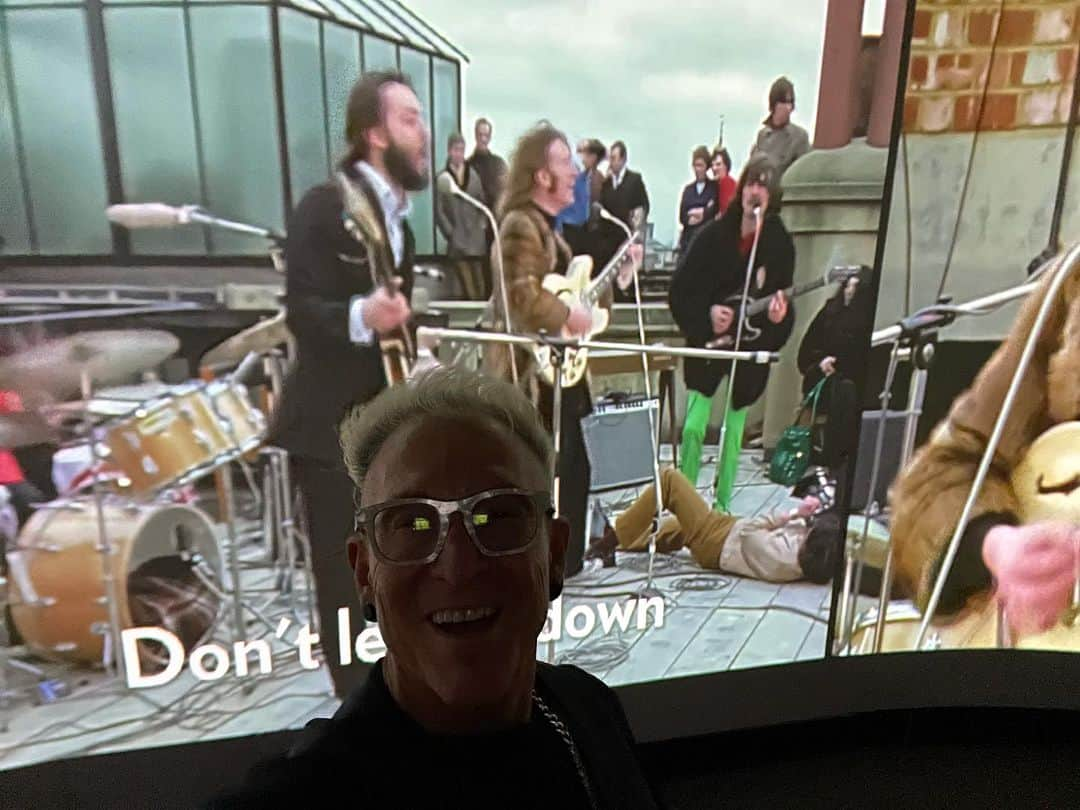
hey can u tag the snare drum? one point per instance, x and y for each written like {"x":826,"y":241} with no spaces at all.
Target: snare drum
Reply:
{"x":56,"y":575}
{"x":167,"y":441}
{"x":242,"y":424}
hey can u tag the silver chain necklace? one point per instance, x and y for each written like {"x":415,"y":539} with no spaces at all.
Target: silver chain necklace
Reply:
{"x":560,"y":728}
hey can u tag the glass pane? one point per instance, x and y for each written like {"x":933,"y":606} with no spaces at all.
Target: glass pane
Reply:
{"x":379,"y":54}
{"x":415,"y":65}
{"x":17,"y":3}
{"x":155,"y":126}
{"x":234,"y":77}
{"x":58,"y":114}
{"x":14,"y":227}
{"x":305,"y":116}
{"x":447,"y":117}
{"x":341,"y":52}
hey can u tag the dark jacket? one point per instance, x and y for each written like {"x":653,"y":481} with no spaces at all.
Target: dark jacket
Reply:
{"x":707,"y":199}
{"x":629,"y":195}
{"x":837,"y":331}
{"x":493,"y":172}
{"x":463,"y":227}
{"x":325,"y":267}
{"x":712,"y":270}
{"x":381,"y":758}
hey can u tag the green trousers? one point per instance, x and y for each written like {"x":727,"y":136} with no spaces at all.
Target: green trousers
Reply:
{"x":698,"y":411}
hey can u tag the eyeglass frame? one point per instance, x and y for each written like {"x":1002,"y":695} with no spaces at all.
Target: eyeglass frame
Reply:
{"x":364,"y":519}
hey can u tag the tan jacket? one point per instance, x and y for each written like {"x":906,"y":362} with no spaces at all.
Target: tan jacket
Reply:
{"x":531,"y":250}
{"x":929,"y":496}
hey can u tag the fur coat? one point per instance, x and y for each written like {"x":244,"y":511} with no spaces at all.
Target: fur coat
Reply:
{"x":929,"y":496}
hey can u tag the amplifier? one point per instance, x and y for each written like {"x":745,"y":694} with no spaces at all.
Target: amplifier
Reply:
{"x":890,"y":457}
{"x":619,"y":439}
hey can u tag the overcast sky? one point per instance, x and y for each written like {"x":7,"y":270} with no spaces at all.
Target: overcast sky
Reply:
{"x":658,"y":76}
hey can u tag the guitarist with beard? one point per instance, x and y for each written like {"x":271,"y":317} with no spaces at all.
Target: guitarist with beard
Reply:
{"x":348,"y":282}
{"x":540,"y":185}
{"x":712,"y":271}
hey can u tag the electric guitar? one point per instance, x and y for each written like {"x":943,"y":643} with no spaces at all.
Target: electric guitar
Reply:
{"x":576,"y":288}
{"x":757,"y":306}
{"x":1046,"y":483}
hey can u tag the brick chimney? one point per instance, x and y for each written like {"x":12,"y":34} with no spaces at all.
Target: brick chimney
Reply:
{"x":838,"y":91}
{"x":1030,"y":75}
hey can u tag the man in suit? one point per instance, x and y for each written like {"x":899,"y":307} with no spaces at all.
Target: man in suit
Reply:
{"x":337,"y":313}
{"x":625,"y":197}
{"x":780,"y":137}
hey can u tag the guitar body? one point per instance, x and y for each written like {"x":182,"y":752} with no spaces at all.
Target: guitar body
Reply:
{"x":1046,"y":482}
{"x":570,"y":289}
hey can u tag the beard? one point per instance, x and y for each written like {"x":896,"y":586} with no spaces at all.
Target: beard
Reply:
{"x":401,"y":169}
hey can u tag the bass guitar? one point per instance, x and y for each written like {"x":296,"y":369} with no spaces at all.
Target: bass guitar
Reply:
{"x":364,"y":224}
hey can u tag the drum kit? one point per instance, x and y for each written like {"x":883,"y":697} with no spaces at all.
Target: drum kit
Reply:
{"x":125,"y":544}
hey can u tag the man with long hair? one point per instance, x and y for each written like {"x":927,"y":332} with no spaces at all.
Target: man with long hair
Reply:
{"x":708,"y":276}
{"x":337,"y":312}
{"x":540,"y":185}
{"x":779,"y":136}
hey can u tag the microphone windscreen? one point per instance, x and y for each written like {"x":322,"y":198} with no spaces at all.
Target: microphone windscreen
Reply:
{"x":143,"y":215}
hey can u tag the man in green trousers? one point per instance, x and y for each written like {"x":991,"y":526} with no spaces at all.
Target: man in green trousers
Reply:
{"x":711,"y":273}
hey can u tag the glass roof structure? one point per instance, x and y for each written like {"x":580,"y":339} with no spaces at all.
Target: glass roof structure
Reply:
{"x":234,"y":105}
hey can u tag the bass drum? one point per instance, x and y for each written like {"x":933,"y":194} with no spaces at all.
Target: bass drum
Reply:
{"x":57,"y":584}
{"x":973,"y":628}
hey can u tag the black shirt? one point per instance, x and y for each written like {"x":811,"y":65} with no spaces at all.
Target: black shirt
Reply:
{"x":380,"y":757}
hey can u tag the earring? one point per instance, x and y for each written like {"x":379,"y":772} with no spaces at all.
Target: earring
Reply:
{"x":369,"y":612}
{"x":554,"y":590}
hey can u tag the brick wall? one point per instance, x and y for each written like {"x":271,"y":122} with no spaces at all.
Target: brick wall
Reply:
{"x":1028,"y":81}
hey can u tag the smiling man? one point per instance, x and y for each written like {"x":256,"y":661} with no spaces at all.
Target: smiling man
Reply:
{"x":456,"y":555}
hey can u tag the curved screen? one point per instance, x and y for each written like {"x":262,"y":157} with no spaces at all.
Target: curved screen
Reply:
{"x":173,"y":509}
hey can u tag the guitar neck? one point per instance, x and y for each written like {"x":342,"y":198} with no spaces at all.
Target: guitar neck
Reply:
{"x":794,"y":291}
{"x":601,"y":283}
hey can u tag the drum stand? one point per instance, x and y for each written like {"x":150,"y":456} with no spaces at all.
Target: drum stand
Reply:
{"x":917,"y":347}
{"x":113,"y":652}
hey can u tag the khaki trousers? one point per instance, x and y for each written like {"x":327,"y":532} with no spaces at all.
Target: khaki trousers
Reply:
{"x":761,"y":547}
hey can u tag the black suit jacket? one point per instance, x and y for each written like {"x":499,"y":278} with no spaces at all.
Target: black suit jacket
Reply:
{"x":619,"y":202}
{"x":325,"y":267}
{"x":713,"y":269}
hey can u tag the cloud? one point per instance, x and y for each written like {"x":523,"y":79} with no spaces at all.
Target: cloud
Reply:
{"x":692,"y":87}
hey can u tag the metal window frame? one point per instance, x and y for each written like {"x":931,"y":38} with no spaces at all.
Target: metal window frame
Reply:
{"x":412,"y":30}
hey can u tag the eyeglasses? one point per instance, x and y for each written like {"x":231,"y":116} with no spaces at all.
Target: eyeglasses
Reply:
{"x":413,"y":531}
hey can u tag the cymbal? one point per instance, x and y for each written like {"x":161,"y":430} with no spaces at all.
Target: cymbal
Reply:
{"x":24,"y":429}
{"x":109,"y":357}
{"x":261,"y":337}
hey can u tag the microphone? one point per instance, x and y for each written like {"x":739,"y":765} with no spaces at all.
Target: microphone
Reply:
{"x":605,"y":214}
{"x":446,"y":185}
{"x":149,"y":215}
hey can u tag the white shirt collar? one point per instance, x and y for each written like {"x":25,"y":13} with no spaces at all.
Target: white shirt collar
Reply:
{"x":619,"y":176}
{"x":392,"y":205}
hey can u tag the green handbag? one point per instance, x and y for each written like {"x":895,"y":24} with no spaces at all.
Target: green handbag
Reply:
{"x":792,"y":454}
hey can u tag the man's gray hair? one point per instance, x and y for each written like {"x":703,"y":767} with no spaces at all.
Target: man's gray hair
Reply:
{"x":445,"y":391}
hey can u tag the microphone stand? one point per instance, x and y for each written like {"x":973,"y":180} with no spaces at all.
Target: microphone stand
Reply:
{"x":648,"y":589}
{"x":458,"y":192}
{"x":913,"y":340}
{"x":1062,"y":273}
{"x":729,"y":395}
{"x":198,"y":215}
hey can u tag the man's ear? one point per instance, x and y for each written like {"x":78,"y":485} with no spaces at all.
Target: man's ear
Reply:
{"x":559,"y":541}
{"x":542,"y":179}
{"x":360,"y":563}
